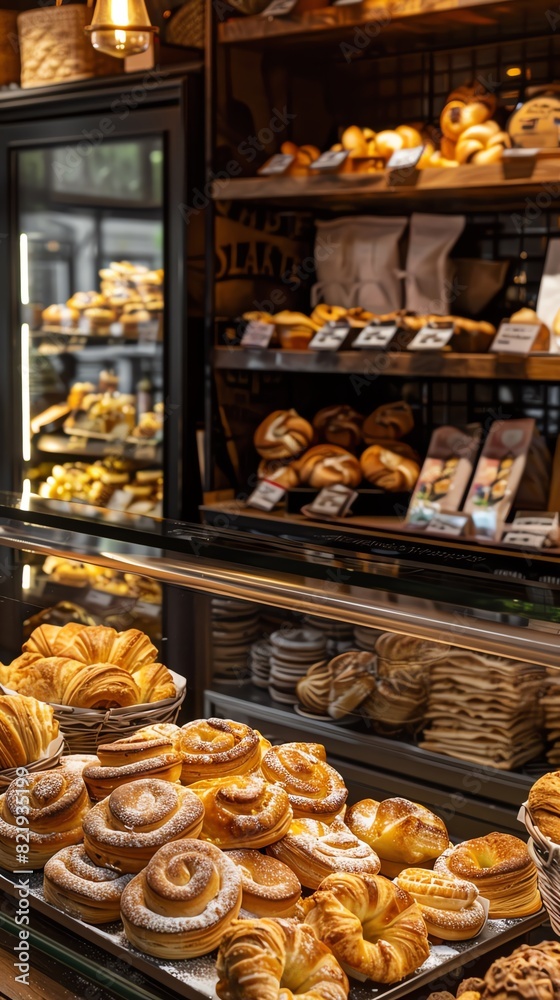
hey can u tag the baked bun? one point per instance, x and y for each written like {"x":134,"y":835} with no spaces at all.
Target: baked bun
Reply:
{"x":261,"y":959}
{"x":243,"y":810}
{"x":180,"y":905}
{"x":340,"y":425}
{"x":502,"y":870}
{"x":450,"y":906}
{"x":127,"y":828}
{"x":211,"y":748}
{"x":76,"y":886}
{"x":353,"y":679}
{"x":371,"y":925}
{"x":27,"y":727}
{"x":327,"y":314}
{"x":283,"y":473}
{"x":60,"y":315}
{"x":542,"y":342}
{"x":270,"y":888}
{"x":389,"y":422}
{"x":544,"y":805}
{"x":314,"y":788}
{"x":57,"y":802}
{"x":327,"y":465}
{"x":131,"y":758}
{"x":388,"y":470}
{"x":313,"y":849}
{"x":283,"y":434}
{"x":402,"y":833}
{"x":313,"y":690}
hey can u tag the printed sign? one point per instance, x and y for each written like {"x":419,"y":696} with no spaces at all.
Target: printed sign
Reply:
{"x":515,"y":338}
{"x":331,"y":160}
{"x":330,"y":337}
{"x":333,"y":501}
{"x":257,"y":334}
{"x":278,"y":164}
{"x":404,"y":159}
{"x":266,"y":495}
{"x":431,"y":338}
{"x":375,"y":335}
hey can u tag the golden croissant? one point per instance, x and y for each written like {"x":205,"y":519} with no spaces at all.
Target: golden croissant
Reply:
{"x":27,"y":726}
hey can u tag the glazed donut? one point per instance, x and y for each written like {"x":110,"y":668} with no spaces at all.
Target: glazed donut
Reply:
{"x":502,"y":870}
{"x":340,"y":425}
{"x":313,"y":849}
{"x":327,"y":314}
{"x":128,"y":759}
{"x":283,"y":434}
{"x":127,"y":828}
{"x":211,"y":748}
{"x":371,"y":925}
{"x":243,"y":810}
{"x":449,"y":906}
{"x":283,"y":473}
{"x":180,"y":904}
{"x":75,"y":885}
{"x":277,"y":960}
{"x":326,"y":465}
{"x":388,"y":470}
{"x":54,"y":803}
{"x":314,"y":788}
{"x":391,"y":421}
{"x":402,"y":833}
{"x":270,"y":888}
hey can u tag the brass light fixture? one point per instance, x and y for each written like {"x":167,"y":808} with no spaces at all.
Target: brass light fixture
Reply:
{"x":120,"y":27}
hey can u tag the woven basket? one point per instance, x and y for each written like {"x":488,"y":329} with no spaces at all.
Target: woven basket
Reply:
{"x":9,"y":48}
{"x":546,"y":856}
{"x":55,"y":49}
{"x":51,"y":759}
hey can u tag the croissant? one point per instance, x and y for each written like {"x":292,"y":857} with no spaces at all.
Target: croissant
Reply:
{"x":402,"y":833}
{"x":130,"y":650}
{"x":27,"y":726}
{"x":155,"y":682}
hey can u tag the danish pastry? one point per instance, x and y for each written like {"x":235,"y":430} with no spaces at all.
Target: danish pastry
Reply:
{"x":314,"y":788}
{"x":270,"y":888}
{"x":313,"y":849}
{"x":326,"y":465}
{"x":340,"y":425}
{"x":75,"y":885}
{"x":243,"y":811}
{"x":501,"y":868}
{"x":283,"y":473}
{"x":450,"y":906}
{"x":211,"y":748}
{"x":385,"y":468}
{"x":389,"y":422}
{"x":283,"y":434}
{"x":402,"y":833}
{"x":130,"y":758}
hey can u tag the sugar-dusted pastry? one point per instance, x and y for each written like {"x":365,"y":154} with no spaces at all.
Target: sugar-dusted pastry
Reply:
{"x":126,"y":760}
{"x":327,"y":465}
{"x":341,"y":425}
{"x":403,"y":833}
{"x":388,"y":422}
{"x":314,"y":788}
{"x":283,"y":434}
{"x":389,"y":470}
{"x":270,"y":888}
{"x":353,"y":679}
{"x":180,"y":905}
{"x":127,"y":828}
{"x":74,"y":884}
{"x":211,"y":748}
{"x":243,"y":810}
{"x":450,"y":906}
{"x":27,"y":726}
{"x":313,"y":849}
{"x":502,"y":870}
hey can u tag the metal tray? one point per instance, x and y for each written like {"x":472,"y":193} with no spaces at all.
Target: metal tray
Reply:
{"x":196,"y":978}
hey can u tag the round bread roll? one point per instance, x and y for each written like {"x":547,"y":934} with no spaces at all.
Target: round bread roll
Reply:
{"x":340,"y":425}
{"x":388,"y":142}
{"x":392,"y":420}
{"x":389,"y":470}
{"x":542,"y":343}
{"x":410,"y":136}
{"x":283,"y":434}
{"x":326,"y":464}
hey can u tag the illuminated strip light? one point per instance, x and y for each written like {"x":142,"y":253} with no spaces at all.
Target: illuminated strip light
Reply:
{"x":24,"y":270}
{"x":25,"y":395}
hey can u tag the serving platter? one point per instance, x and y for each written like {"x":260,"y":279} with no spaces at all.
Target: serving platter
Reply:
{"x":196,"y":978}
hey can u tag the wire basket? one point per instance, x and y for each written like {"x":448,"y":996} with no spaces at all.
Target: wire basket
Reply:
{"x":54,"y":47}
{"x":9,"y":48}
{"x":546,"y":856}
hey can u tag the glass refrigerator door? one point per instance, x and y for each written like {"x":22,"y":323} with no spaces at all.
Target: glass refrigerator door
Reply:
{"x":91,"y":243}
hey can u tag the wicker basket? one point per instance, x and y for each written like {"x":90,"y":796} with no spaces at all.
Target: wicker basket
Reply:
{"x":52,"y":756}
{"x":55,"y":49}
{"x":9,"y":48}
{"x":546,"y":856}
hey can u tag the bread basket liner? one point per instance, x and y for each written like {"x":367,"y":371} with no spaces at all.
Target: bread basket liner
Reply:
{"x":49,"y":759}
{"x":546,"y":856}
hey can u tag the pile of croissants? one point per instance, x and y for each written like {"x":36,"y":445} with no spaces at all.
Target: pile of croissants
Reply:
{"x":89,"y":666}
{"x":202,"y":837}
{"x":27,"y":727}
{"x":295,"y":452}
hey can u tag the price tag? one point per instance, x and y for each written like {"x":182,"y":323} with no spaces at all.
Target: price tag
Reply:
{"x":278,"y":164}
{"x":431,"y":338}
{"x":330,"y":337}
{"x":257,"y":334}
{"x":452,"y":525}
{"x":333,"y":501}
{"x":148,"y":332}
{"x":266,"y":495}
{"x":278,"y":8}
{"x":404,"y":159}
{"x":524,"y":539}
{"x":147,"y":610}
{"x":375,"y":335}
{"x":331,"y":160}
{"x":519,"y":153}
{"x":515,"y":338}
{"x":99,"y":599}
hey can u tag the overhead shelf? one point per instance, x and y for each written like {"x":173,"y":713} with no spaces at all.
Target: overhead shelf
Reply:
{"x":83,"y":447}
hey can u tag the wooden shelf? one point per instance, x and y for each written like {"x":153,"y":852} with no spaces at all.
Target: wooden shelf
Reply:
{"x":537,"y":368}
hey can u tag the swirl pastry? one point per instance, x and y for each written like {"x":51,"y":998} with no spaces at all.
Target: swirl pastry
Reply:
{"x":270,"y":888}
{"x":340,"y":425}
{"x":283,"y":434}
{"x":54,"y":803}
{"x":211,"y":748}
{"x":389,"y":422}
{"x":313,"y":690}
{"x":314,"y":788}
{"x":27,"y":726}
{"x":75,"y":885}
{"x":133,"y":757}
{"x":389,"y":470}
{"x":326,"y":465}
{"x":450,"y":906}
{"x":243,"y":811}
{"x":371,"y":925}
{"x":353,"y":680}
{"x":402,"y":833}
{"x":313,"y":850}
{"x":180,"y":905}
{"x":131,"y":824}
{"x":269,"y":959}
{"x":502,"y":870}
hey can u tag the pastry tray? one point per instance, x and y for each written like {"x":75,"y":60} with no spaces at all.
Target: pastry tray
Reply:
{"x":195,"y":978}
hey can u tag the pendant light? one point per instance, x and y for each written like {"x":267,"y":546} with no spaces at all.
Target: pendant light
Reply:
{"x":120,"y":27}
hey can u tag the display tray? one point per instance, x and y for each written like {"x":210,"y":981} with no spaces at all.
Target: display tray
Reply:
{"x":74,"y":430}
{"x":196,"y":978}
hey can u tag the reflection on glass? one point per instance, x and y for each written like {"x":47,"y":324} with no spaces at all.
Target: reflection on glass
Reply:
{"x":92,"y":303}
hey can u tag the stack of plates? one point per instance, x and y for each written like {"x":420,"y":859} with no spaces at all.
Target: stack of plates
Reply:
{"x":235,"y":627}
{"x":259,"y":659}
{"x":365,"y":638}
{"x":339,"y":636}
{"x":294,"y":650}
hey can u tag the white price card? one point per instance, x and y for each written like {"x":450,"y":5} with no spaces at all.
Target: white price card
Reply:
{"x":515,"y":338}
{"x":431,"y":338}
{"x":99,"y":599}
{"x":519,"y":153}
{"x":331,"y":160}
{"x":147,"y":610}
{"x":524,"y":539}
{"x":452,"y":525}
{"x":333,"y":501}
{"x":278,"y":164}
{"x":330,"y":337}
{"x":266,"y":495}
{"x":375,"y":335}
{"x":404,"y":159}
{"x":257,"y":334}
